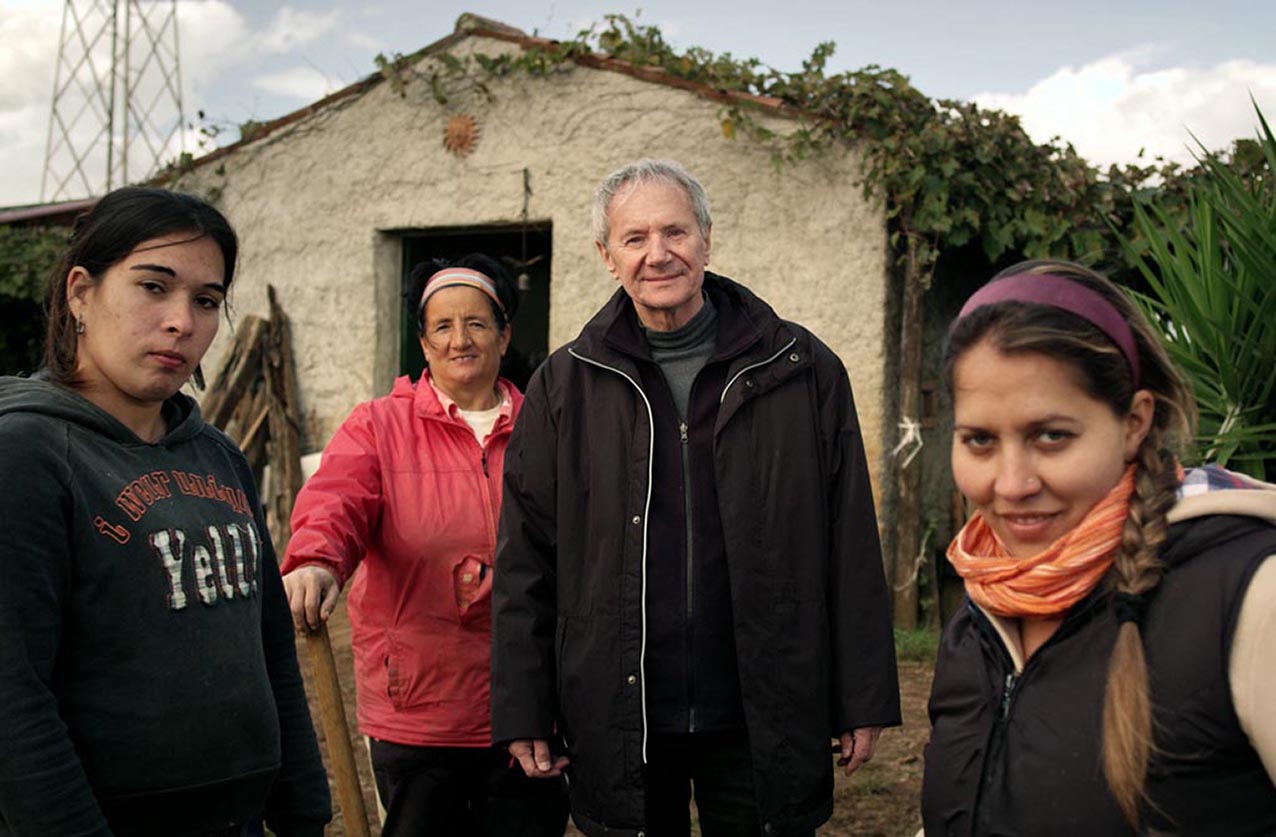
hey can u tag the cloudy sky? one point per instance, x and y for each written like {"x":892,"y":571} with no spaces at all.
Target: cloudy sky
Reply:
{"x":1113,"y":78}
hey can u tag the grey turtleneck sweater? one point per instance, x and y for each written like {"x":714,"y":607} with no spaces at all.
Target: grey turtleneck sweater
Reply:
{"x":683,"y":352}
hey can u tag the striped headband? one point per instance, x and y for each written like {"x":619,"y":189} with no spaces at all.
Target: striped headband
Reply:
{"x":450,"y":276}
{"x":1068,"y":295}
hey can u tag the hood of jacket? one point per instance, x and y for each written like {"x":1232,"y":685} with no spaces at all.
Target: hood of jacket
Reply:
{"x":1209,"y":501}
{"x":744,"y":319}
{"x":25,"y":395}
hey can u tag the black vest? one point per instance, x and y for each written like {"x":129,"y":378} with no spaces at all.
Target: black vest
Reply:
{"x":1023,"y":755}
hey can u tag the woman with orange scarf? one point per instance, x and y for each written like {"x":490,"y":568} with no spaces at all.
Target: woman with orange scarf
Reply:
{"x":1107,"y":675}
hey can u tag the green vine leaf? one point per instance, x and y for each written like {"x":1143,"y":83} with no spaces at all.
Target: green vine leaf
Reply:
{"x":392,"y":70}
{"x":436,"y":89}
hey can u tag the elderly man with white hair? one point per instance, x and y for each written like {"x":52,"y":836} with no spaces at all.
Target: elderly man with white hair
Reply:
{"x":688,"y":588}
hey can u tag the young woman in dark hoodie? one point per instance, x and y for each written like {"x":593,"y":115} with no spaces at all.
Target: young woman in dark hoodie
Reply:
{"x":148,"y":676}
{"x":1110,"y":674}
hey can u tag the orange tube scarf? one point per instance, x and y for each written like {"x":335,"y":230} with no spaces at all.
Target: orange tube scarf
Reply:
{"x":1052,"y":581}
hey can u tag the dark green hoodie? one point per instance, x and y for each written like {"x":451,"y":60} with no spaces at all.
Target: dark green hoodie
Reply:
{"x":148,"y":673}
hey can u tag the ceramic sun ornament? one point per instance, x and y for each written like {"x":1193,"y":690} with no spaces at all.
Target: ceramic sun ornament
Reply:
{"x":461,"y":134}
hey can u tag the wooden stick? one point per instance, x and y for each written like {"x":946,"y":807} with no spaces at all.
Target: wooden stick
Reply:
{"x":283,"y":427}
{"x":241,"y":366}
{"x":333,"y":710}
{"x":250,"y":438}
{"x":284,"y":422}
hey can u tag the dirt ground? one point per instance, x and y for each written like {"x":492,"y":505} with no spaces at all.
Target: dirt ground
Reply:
{"x":883,"y":798}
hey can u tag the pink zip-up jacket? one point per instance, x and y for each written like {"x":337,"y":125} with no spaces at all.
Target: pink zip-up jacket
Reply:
{"x":406,"y":489}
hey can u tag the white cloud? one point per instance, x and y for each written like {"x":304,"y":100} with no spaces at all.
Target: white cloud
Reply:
{"x":292,"y":29}
{"x":29,"y":57}
{"x":216,"y":37}
{"x":22,"y":153}
{"x":364,"y":41}
{"x":28,"y":63}
{"x":305,"y":83}
{"x":1111,"y":108}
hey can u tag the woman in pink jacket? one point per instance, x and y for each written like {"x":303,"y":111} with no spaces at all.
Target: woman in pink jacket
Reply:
{"x":411,"y":486}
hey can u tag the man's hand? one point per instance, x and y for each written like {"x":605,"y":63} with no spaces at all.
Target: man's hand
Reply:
{"x":536,"y":760}
{"x":312,"y":596}
{"x":857,"y":747}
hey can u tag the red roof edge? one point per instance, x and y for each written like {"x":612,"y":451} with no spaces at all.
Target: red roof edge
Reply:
{"x":62,"y":212}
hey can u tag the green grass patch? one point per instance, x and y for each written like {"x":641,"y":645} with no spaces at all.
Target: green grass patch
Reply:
{"x":873,"y":779}
{"x":919,"y":645}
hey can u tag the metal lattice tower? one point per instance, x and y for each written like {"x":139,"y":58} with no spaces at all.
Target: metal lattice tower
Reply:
{"x":117,"y":97}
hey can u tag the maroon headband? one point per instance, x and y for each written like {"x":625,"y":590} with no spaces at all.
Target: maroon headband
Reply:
{"x":1061,"y":292}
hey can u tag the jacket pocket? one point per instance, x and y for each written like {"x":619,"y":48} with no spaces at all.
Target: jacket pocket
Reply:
{"x":445,"y":667}
{"x":394,"y":685}
{"x":402,"y":674}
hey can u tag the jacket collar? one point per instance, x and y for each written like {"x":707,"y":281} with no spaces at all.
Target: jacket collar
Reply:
{"x":431,"y":404}
{"x":748,"y":328}
{"x":761,"y":350}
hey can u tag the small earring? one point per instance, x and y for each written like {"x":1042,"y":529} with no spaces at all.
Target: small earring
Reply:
{"x":79,"y":325}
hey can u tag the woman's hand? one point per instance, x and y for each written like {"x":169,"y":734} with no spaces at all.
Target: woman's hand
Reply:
{"x":312,"y":596}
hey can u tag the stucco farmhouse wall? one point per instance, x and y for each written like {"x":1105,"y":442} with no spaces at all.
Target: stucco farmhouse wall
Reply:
{"x":319,"y":205}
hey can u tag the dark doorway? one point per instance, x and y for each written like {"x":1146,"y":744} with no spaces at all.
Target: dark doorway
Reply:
{"x":525,"y":250}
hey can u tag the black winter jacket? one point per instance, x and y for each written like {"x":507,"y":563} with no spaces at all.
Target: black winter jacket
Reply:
{"x":1020,"y":753}
{"x":808,"y":598}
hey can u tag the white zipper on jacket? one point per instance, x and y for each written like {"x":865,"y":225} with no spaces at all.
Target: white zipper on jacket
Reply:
{"x":651,"y":455}
{"x":783,"y":349}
